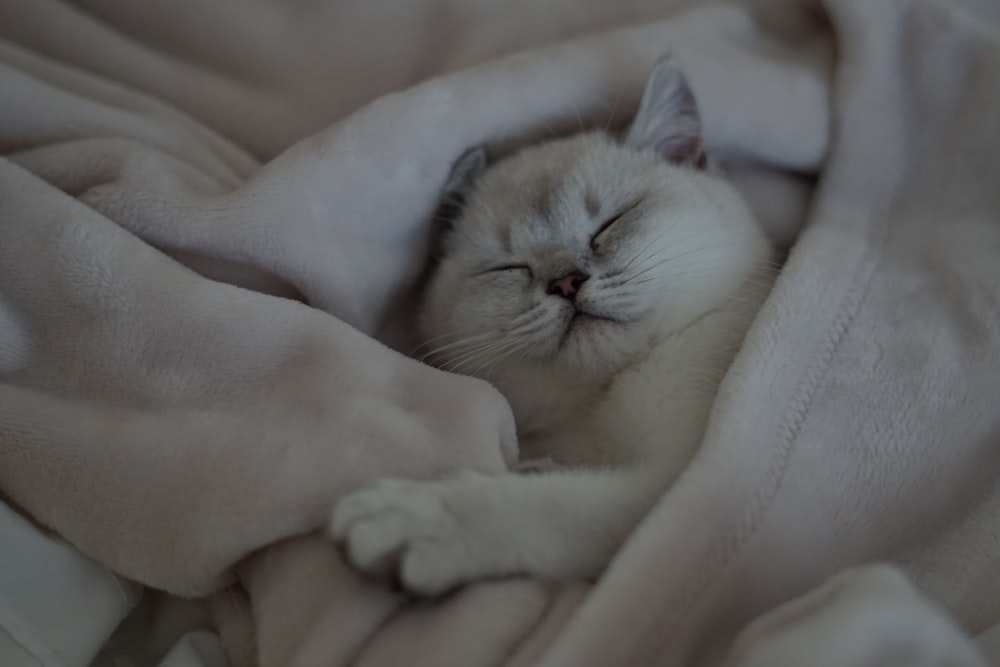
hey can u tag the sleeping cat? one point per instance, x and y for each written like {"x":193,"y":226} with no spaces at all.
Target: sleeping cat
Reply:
{"x":603,"y":286}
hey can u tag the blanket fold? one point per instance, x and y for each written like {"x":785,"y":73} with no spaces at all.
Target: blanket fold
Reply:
{"x":170,"y":471}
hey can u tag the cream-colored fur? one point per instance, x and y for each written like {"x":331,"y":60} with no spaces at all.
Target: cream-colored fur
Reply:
{"x":611,"y":376}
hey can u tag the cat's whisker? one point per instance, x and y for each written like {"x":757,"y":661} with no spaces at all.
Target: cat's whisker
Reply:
{"x":683,"y":272}
{"x":615,"y":278}
{"x":680,"y":241}
{"x":549,"y":129}
{"x":465,"y":365}
{"x":467,"y":344}
{"x":524,"y":353}
{"x":644,"y":256}
{"x":677,"y":256}
{"x":748,"y":288}
{"x":527,"y":317}
{"x":515,"y":336}
{"x":486,"y":340}
{"x":486,"y":366}
{"x":579,"y":119}
{"x":460,"y":346}
{"x":634,"y":278}
{"x":614,"y":108}
{"x":769,"y":263}
{"x":521,"y":320}
{"x":646,"y":269}
{"x":695,"y":264}
{"x":437,"y":339}
{"x":459,"y":362}
{"x":713,"y":263}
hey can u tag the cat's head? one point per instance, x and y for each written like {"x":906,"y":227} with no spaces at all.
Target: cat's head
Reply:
{"x":569,"y":256}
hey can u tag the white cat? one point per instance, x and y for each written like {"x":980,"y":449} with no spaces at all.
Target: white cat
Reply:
{"x":604,"y":287}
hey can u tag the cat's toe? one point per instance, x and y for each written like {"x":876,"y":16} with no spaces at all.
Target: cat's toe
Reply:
{"x":369,"y":502}
{"x":402,"y":531}
{"x":429,"y":569}
{"x":373,"y":545}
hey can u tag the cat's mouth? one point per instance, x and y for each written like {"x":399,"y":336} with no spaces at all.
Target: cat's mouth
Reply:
{"x":582,"y":320}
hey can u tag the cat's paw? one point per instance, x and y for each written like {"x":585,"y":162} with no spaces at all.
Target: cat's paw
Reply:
{"x":404,"y":531}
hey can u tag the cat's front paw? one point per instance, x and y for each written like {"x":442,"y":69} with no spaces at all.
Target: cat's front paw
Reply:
{"x":406,"y":531}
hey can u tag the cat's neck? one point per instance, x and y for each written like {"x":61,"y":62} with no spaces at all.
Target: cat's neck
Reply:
{"x":554,"y":400}
{"x":545,"y":402}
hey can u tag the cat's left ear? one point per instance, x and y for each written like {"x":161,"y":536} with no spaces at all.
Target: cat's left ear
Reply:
{"x":668,"y":120}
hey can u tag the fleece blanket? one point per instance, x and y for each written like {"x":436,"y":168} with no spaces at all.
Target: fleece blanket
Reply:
{"x":211,"y":221}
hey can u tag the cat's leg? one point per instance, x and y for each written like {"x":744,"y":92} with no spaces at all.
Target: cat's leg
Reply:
{"x":432,"y":536}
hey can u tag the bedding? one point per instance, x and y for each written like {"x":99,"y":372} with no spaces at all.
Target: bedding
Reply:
{"x":211,"y":223}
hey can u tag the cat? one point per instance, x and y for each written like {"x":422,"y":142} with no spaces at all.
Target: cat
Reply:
{"x":603,"y":286}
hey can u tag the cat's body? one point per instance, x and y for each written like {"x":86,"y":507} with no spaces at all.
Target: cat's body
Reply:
{"x":604,"y":287}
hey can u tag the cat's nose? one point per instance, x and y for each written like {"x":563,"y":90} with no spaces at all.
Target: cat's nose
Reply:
{"x":568,"y":285}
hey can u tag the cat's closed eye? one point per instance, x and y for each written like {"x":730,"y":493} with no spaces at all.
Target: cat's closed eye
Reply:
{"x":509,"y":267}
{"x":603,"y":228}
{"x":608,"y":224}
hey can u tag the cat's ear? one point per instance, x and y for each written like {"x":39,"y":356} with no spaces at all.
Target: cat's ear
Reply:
{"x":466,"y":170}
{"x":668,"y":119}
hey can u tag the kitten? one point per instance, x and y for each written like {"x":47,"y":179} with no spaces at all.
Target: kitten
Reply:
{"x":603,"y":286}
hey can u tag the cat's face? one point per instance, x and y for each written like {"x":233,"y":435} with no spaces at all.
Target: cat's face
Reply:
{"x":574,"y":255}
{"x":571,"y":258}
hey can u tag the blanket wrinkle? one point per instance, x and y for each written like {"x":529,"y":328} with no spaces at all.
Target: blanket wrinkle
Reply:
{"x":81,"y":105}
{"x":892,"y":624}
{"x":167,"y":396}
{"x":269,"y":97}
{"x":61,"y":31}
{"x":206,"y":215}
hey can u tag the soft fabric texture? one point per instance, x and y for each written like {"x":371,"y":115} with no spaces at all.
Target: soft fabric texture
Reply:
{"x":180,"y":177}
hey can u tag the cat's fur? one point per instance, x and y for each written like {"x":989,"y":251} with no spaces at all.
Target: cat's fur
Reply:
{"x":614,"y":385}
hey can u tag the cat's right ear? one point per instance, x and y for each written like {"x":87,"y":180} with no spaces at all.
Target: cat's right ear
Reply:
{"x":466,"y":170}
{"x":464,"y":173}
{"x":668,"y":120}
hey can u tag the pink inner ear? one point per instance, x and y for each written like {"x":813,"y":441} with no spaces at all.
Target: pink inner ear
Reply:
{"x":691,"y":153}
{"x":683,"y":150}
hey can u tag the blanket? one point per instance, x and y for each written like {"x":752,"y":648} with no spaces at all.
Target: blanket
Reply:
{"x":211,"y":222}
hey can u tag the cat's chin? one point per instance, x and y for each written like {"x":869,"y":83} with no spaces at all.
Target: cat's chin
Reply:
{"x":593,"y":343}
{"x":581,"y":324}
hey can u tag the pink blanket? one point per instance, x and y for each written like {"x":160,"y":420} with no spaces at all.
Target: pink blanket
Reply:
{"x":208,"y":214}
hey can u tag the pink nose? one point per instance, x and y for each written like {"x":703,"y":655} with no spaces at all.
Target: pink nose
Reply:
{"x":568,"y":285}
